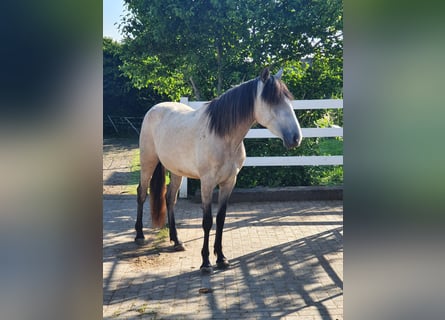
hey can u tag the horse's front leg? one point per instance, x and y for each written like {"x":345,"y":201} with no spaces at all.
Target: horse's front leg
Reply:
{"x":207,"y":222}
{"x":225,"y":189}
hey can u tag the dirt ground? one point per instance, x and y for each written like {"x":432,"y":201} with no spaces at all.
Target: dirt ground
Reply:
{"x":117,"y":157}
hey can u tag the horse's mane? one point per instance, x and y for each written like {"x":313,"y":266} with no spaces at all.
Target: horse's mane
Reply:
{"x":235,"y":106}
{"x":232,"y":108}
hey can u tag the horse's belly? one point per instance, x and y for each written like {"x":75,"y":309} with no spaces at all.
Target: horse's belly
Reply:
{"x":178,"y":162}
{"x":180,"y":170}
{"x":182,"y":173}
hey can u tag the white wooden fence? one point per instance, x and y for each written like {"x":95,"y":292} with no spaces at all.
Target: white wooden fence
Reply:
{"x":307,"y":133}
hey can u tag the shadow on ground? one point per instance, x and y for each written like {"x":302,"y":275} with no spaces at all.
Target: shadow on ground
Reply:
{"x":287,"y":279}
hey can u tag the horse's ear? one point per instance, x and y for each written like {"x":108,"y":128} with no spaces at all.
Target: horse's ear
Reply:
{"x":279,"y":74}
{"x":265,"y":74}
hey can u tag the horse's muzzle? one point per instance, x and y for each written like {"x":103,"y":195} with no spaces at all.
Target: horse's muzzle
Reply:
{"x":292,"y":141}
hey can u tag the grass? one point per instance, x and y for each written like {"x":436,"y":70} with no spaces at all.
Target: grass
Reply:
{"x":142,"y":308}
{"x":162,"y":234}
{"x":330,"y":146}
{"x":158,"y":243}
{"x":331,"y":175}
{"x":116,"y":313}
{"x":135,"y":171}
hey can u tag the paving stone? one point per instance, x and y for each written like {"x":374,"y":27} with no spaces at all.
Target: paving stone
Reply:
{"x":279,"y":267}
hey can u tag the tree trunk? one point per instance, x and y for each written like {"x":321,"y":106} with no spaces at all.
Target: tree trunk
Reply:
{"x":195,"y":89}
{"x":219,"y":64}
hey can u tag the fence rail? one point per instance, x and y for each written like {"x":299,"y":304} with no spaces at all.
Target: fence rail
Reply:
{"x":307,"y":133}
{"x":121,"y":125}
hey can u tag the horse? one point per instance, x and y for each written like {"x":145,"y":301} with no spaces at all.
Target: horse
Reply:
{"x":207,"y":144}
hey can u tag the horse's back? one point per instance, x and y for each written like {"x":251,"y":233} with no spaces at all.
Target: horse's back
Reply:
{"x":163,"y":111}
{"x":166,"y":114}
{"x":172,"y":107}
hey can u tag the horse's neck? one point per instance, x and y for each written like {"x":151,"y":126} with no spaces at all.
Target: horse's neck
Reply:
{"x":237,"y":136}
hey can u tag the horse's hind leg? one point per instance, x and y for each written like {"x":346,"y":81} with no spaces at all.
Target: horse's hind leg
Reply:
{"x":172,"y":195}
{"x":147,"y":168}
{"x":142,"y":195}
{"x":225,"y":189}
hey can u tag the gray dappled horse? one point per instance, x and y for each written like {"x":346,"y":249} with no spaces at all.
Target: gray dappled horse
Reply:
{"x":207,"y":144}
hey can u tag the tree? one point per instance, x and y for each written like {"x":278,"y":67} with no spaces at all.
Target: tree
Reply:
{"x":209,"y":45}
{"x":114,"y":83}
{"x":120,"y":96}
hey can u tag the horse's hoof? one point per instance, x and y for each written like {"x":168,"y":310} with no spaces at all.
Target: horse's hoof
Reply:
{"x":223,"y":264}
{"x":206,"y":270}
{"x":179,"y":247}
{"x":139,"y":241}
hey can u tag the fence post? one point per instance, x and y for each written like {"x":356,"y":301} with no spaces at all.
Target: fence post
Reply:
{"x":183,"y":190}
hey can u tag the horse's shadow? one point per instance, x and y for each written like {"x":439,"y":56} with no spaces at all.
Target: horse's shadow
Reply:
{"x":282,"y":280}
{"x":120,"y":178}
{"x":152,"y":247}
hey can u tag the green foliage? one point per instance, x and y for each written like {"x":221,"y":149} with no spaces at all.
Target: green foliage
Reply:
{"x":151,"y":73}
{"x":120,"y":96}
{"x":114,"y":83}
{"x":330,"y":146}
{"x":216,"y":44}
{"x":319,"y":77}
{"x":291,"y":176}
{"x":325,"y":175}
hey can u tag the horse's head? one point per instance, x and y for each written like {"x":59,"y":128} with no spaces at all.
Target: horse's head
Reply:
{"x":273,"y":109}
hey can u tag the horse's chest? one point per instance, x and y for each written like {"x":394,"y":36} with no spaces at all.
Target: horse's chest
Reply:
{"x":227,"y":163}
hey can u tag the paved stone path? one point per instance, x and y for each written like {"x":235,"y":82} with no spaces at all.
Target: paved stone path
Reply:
{"x":287,"y":263}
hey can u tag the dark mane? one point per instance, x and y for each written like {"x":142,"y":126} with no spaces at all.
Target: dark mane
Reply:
{"x":232,"y":108}
{"x":274,"y":91}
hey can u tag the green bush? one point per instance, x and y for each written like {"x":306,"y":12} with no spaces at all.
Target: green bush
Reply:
{"x":292,"y":175}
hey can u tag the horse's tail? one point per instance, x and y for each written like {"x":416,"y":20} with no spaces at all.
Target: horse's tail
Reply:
{"x":158,"y":203}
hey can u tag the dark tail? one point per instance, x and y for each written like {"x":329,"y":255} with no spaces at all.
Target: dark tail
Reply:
{"x":157,"y":197}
